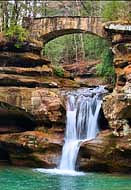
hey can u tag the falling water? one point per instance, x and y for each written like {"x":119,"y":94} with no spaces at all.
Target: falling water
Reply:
{"x":83,"y":108}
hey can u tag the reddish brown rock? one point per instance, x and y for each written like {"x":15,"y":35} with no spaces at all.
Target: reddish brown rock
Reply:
{"x":47,"y":105}
{"x":42,"y":71}
{"x":117,"y":106}
{"x":21,"y":59}
{"x":106,"y":153}
{"x":117,"y":109}
{"x":32,"y":149}
{"x":14,"y":119}
{"x":26,"y":81}
{"x":44,"y":104}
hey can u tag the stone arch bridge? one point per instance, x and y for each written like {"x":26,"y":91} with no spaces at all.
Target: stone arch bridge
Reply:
{"x":49,"y":28}
{"x":45,"y":29}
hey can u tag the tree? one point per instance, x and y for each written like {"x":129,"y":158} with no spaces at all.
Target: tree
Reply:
{"x":4,"y":14}
{"x":106,"y":68}
{"x":90,"y":8}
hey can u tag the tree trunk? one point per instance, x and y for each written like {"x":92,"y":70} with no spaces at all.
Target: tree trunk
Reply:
{"x":5,"y":16}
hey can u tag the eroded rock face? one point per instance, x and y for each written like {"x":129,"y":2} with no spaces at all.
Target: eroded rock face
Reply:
{"x":111,"y":150}
{"x":27,"y":80}
{"x":32,"y":149}
{"x":117,"y":106}
{"x":117,"y":109}
{"x":47,"y":106}
{"x":44,"y":104}
{"x":106,"y":153}
{"x":30,"y":100}
{"x":14,"y":119}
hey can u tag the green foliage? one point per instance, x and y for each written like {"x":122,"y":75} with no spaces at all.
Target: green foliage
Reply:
{"x":58,"y":70}
{"x":94,"y":46}
{"x":90,"y":8}
{"x":113,"y":10}
{"x":16,"y":33}
{"x":54,"y":49}
{"x":106,"y":69}
{"x":59,"y":48}
{"x":65,"y":48}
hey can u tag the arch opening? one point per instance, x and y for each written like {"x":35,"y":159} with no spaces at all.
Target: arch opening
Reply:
{"x":62,"y":32}
{"x":80,"y":53}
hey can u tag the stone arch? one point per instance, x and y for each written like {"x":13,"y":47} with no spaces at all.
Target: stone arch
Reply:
{"x":49,"y":28}
{"x":58,"y":33}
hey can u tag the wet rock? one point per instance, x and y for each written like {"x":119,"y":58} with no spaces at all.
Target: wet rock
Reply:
{"x":106,"y":153}
{"x":32,"y":149}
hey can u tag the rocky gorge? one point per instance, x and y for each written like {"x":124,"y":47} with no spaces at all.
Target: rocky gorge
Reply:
{"x":33,"y":111}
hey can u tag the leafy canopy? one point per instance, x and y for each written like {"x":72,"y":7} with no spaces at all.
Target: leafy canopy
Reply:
{"x":114,"y":10}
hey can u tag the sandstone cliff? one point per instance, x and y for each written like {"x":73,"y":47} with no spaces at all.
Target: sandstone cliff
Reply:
{"x":111,"y":151}
{"x":32,"y":111}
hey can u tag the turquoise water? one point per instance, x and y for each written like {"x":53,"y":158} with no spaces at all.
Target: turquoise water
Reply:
{"x":12,"y":178}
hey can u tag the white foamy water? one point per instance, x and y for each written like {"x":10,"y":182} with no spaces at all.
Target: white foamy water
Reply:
{"x":56,"y":171}
{"x":83,"y":107}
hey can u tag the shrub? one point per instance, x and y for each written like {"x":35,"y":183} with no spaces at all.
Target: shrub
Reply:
{"x":106,"y":68}
{"x":58,"y":70}
{"x":17,"y":34}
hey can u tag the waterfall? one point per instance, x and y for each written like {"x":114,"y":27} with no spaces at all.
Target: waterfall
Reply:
{"x":83,"y":106}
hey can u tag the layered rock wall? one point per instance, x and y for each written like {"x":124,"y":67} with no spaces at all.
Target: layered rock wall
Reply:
{"x":31,"y":94}
{"x":111,"y":150}
{"x":117,"y":106}
{"x":32,"y":112}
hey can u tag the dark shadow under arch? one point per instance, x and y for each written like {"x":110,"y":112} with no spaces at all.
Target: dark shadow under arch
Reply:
{"x":58,"y":33}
